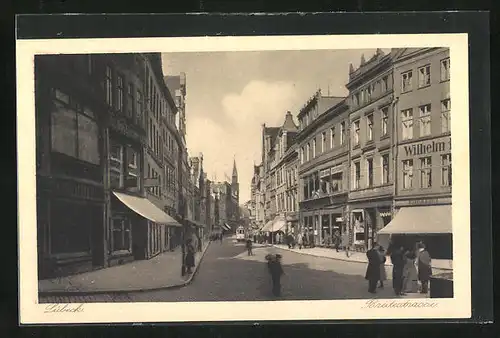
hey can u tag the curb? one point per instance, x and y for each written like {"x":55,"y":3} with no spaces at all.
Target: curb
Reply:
{"x":120,"y":292}
{"x":348,"y":260}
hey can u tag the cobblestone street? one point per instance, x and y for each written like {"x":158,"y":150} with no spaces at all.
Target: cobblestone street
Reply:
{"x":228,"y":274}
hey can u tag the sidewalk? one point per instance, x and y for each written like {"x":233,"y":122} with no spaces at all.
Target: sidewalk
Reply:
{"x":438,"y":265}
{"x":162,"y":271}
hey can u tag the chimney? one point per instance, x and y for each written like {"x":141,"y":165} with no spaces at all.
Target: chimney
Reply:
{"x":362,"y":59}
{"x":351,"y":68}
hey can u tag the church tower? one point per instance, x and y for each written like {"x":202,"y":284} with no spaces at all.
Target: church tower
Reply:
{"x":235,"y":187}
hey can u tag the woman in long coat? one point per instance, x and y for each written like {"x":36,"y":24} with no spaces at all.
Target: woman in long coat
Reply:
{"x":383,"y":275}
{"x":300,"y":240}
{"x":373,"y":269}
{"x":410,"y":276}
{"x":190,"y":252}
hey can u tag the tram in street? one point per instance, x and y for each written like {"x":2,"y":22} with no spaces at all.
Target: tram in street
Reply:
{"x":240,"y":233}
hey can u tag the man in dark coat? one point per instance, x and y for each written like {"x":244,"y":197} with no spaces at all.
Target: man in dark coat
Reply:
{"x":373,"y":269}
{"x":424,"y":268}
{"x":276,"y":270}
{"x":397,"y":269}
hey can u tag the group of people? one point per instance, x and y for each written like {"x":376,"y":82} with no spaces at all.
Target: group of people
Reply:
{"x":409,"y":269}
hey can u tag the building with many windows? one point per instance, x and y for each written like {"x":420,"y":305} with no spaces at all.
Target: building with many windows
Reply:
{"x":323,"y":150}
{"x":422,"y":135}
{"x":371,"y":163}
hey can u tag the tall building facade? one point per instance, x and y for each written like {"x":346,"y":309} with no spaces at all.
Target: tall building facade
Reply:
{"x":324,"y":166}
{"x":422,"y":135}
{"x":371,"y":192}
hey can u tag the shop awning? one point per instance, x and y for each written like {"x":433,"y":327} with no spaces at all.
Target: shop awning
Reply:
{"x":278,"y":224}
{"x":434,"y":219}
{"x":146,"y":209}
{"x":267,"y":226}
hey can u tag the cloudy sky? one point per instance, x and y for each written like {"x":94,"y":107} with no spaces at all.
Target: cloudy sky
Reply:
{"x":231,"y":94}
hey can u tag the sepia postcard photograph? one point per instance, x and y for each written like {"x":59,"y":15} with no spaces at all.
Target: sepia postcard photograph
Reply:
{"x":207,"y":179}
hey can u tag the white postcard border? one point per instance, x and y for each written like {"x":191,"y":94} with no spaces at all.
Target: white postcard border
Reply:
{"x":33,"y":313}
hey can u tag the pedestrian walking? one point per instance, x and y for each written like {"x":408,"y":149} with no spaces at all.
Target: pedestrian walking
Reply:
{"x":410,"y":276}
{"x":373,"y":270}
{"x":276,"y":271}
{"x":345,"y":243}
{"x":336,"y":241}
{"x":383,"y":275}
{"x":424,"y":268}
{"x":249,"y":247}
{"x":397,"y":260}
{"x":190,"y":252}
{"x":299,"y":240}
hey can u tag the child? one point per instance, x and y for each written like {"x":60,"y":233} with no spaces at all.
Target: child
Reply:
{"x":249,"y":247}
{"x":276,"y":270}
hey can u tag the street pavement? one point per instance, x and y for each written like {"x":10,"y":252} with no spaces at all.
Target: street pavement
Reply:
{"x":228,"y":274}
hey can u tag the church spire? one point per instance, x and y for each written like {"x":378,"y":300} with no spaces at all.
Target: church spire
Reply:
{"x":235,"y":172}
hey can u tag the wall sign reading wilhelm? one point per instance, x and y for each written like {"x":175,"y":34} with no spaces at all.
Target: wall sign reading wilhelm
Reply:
{"x":427,"y":147}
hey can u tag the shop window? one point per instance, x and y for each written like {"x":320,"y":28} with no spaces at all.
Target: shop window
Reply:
{"x":446,"y":170}
{"x":69,"y":227}
{"x":385,"y":121}
{"x":385,"y":168}
{"x":406,"y":81}
{"x":407,"y":124}
{"x":369,"y":123}
{"x":74,"y":131}
{"x":121,"y":234}
{"x":425,"y":172}
{"x":424,"y":76}
{"x":407,"y":174}
{"x":356,"y":128}
{"x":446,"y":116}
{"x":445,"y":69}
{"x":425,"y":120}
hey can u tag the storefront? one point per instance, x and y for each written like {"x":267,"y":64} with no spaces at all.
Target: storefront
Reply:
{"x":138,"y":216}
{"x":367,"y":219}
{"x":427,"y":220}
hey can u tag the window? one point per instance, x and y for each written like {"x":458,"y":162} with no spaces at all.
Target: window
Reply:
{"x":355,"y":127}
{"x":369,"y":164}
{"x":407,"y":174}
{"x":363,"y":96}
{"x":121,"y":240}
{"x":109,"y":86}
{"x":385,"y":168}
{"x":332,"y":137}
{"x":357,"y":175}
{"x":116,"y":165}
{"x":357,"y":102}
{"x":336,"y":182}
{"x":407,"y":124}
{"x":445,"y":69}
{"x":308,"y":151}
{"x":385,"y":84}
{"x":314,"y":148}
{"x":424,"y":76}
{"x":425,"y":120}
{"x":385,"y":121}
{"x":74,"y":132}
{"x":133,"y":167}
{"x":301,"y":155}
{"x":369,"y":123}
{"x":323,"y":141}
{"x":130,"y":101}
{"x":406,"y":81}
{"x":425,"y":172}
{"x":445,"y":116}
{"x":119,"y":93}
{"x":446,"y":170}
{"x":139,"y":110}
{"x":342,"y":133}
{"x":369,"y":93}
